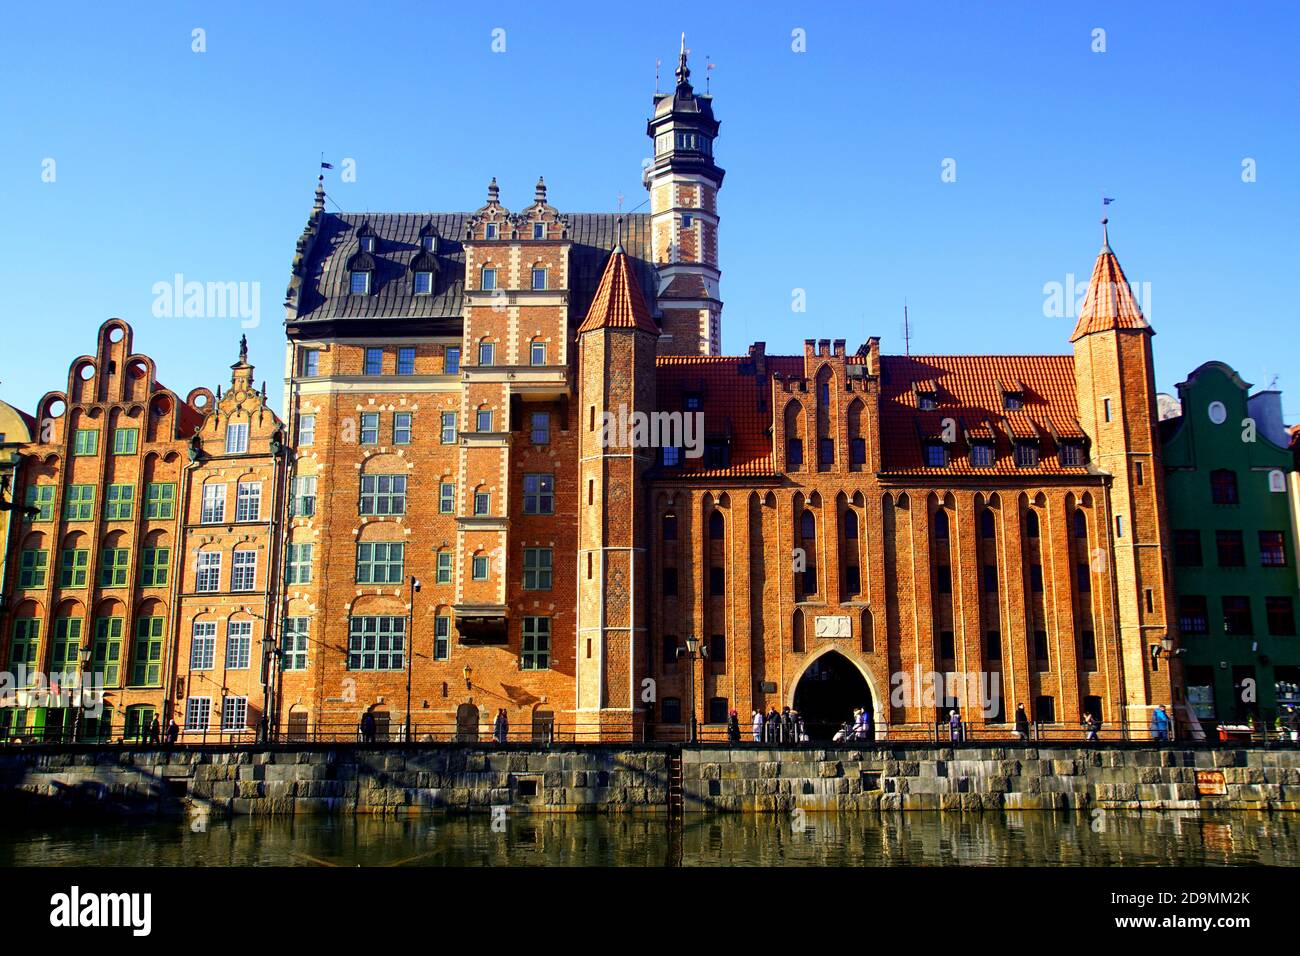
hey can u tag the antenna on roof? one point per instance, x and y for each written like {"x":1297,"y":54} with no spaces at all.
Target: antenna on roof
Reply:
{"x":907,"y":332}
{"x":708,"y":68}
{"x":658,"y":63}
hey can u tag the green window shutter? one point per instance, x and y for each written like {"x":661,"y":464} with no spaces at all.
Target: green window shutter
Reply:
{"x":160,"y":501}
{"x":32,"y":568}
{"x":121,"y":501}
{"x":72,"y":568}
{"x":125,"y":440}
{"x":106,"y":655}
{"x":146,"y":656}
{"x":41,"y":497}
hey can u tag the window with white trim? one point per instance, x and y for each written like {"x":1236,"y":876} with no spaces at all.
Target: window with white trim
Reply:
{"x":198,"y":713}
{"x":207,"y":575}
{"x":248,"y":501}
{"x":214,"y":504}
{"x":239,"y":644}
{"x":234,"y":714}
{"x":243,"y":570}
{"x":203,"y":646}
{"x":236,"y":438}
{"x":294,"y":644}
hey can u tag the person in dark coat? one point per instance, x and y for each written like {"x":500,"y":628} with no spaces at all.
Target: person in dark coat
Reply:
{"x":155,"y":731}
{"x":368,"y":727}
{"x":773,"y":729}
{"x":173,"y":733}
{"x":733,"y":728}
{"x":1022,"y":722}
{"x":787,"y":726}
{"x":501,"y":726}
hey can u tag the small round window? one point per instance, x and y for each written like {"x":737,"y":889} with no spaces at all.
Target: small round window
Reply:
{"x":1218,"y":413}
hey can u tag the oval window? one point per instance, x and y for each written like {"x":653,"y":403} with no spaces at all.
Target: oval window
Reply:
{"x":1218,"y":413}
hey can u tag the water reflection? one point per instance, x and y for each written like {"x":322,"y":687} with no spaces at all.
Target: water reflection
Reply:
{"x":1109,"y":838}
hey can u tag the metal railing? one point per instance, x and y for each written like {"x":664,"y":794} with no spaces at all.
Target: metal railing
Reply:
{"x":126,"y":734}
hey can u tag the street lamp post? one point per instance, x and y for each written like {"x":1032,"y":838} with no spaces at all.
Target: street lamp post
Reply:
{"x":692,"y":652}
{"x":83,"y":658}
{"x":410,"y":649}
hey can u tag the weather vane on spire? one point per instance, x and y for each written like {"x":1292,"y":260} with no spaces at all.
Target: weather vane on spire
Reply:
{"x":683,"y":71}
{"x":1105,"y":201}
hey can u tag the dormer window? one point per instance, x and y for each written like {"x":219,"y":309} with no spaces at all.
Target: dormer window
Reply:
{"x":539,"y":230}
{"x":490,"y":231}
{"x":981,"y":455}
{"x":1071,"y":453}
{"x":1013,"y":401}
{"x":424,"y":283}
{"x":429,"y":242}
{"x":936,"y":454}
{"x":367,"y":243}
{"x":360,"y":282}
{"x":688,"y":140}
{"x":927,"y":401}
{"x":489,"y":279}
{"x":1026,"y":454}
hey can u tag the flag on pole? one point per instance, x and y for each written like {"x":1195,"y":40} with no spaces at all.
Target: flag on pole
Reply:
{"x":1106,"y":200}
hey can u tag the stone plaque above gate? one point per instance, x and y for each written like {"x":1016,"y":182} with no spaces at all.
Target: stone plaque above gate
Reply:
{"x":833,"y":626}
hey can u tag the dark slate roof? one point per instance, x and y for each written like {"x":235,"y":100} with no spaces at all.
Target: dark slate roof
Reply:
{"x":324,"y":294}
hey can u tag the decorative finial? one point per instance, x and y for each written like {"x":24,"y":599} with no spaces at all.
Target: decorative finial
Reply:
{"x":1105,"y":236}
{"x":618,"y":233}
{"x":319,"y":205}
{"x":243,"y":349}
{"x":494,"y":192}
{"x":683,"y":71}
{"x":539,"y":194}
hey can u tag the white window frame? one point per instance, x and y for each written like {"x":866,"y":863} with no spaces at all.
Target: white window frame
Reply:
{"x":203,"y":646}
{"x":234,"y":714}
{"x":306,"y":429}
{"x":214,"y":504}
{"x":243,"y":565}
{"x":236,"y":438}
{"x":198,"y":714}
{"x":239,"y":645}
{"x":207,"y":571}
{"x":248,"y":501}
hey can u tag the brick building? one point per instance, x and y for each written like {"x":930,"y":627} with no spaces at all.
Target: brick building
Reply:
{"x":518,"y":475}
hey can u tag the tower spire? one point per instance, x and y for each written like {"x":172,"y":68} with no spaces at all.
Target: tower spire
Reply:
{"x":683,"y":71}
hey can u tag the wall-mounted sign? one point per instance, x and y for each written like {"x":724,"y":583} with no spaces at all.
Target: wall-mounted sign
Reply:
{"x":833,"y":626}
{"x":1210,"y":783}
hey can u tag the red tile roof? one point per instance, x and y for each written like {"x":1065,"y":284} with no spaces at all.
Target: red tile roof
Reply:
{"x":736,"y":402}
{"x":1109,"y":303}
{"x":619,"y":303}
{"x":971,"y":391}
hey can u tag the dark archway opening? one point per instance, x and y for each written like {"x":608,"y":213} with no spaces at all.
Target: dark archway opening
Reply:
{"x":827,"y":694}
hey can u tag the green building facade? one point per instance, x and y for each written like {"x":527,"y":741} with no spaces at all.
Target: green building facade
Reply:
{"x":1227,"y":470}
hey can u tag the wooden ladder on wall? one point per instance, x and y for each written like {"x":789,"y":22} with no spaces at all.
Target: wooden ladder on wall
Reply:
{"x":675,"y":801}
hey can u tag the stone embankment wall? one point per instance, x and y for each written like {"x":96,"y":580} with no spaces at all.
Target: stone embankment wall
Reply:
{"x":616,"y":778}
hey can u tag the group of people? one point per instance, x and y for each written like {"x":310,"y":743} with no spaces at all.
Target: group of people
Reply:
{"x":858,"y":728}
{"x":776,"y":727}
{"x":152,"y":732}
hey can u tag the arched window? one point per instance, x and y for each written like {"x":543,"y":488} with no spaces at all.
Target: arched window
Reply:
{"x":986,"y":523}
{"x":941,"y":524}
{"x":1031,"y":523}
{"x":808,"y":526}
{"x":1080,"y":524}
{"x":850,"y":524}
{"x":715,"y":525}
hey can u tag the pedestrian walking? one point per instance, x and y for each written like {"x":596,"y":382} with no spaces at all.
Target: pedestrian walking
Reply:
{"x":773,"y":727}
{"x":1089,"y":727}
{"x":1160,"y":724}
{"x":173,"y":733}
{"x":155,"y":731}
{"x":368,"y":728}
{"x":1022,"y":722}
{"x":954,"y":726}
{"x":787,"y":726}
{"x":733,"y":728}
{"x":757,"y":723}
{"x":501,"y":726}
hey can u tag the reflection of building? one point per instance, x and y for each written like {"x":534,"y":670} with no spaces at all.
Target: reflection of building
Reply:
{"x":1233,"y":546}
{"x":462,"y":399}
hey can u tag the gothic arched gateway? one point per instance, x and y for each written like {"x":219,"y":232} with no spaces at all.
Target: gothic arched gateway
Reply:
{"x":828,"y":692}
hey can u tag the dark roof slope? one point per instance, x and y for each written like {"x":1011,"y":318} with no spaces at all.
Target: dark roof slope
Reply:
{"x":325,"y":290}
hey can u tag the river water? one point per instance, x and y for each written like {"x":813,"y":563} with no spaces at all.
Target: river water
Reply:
{"x":1102,"y":838}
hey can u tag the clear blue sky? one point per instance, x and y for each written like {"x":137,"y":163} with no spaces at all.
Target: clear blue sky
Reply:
{"x":170,"y":161}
